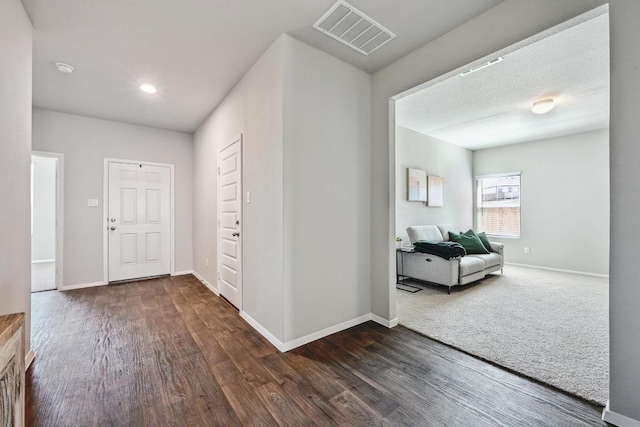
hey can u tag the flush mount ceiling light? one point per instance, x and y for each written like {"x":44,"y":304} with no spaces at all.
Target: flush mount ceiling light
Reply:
{"x":147,"y":88}
{"x":64,"y":68}
{"x":542,"y":106}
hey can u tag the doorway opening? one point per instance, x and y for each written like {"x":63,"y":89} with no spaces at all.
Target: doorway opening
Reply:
{"x":46,"y":221}
{"x":513,"y":176}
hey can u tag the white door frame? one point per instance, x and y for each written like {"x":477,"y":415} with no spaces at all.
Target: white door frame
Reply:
{"x":59,"y":213}
{"x":105,"y":211}
{"x":237,"y":138}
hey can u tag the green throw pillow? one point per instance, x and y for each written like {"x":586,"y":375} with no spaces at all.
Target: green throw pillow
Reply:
{"x":471,"y":244}
{"x":485,"y":241}
{"x":482,"y":236}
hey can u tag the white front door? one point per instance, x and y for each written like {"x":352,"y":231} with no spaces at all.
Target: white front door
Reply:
{"x":229,"y":218}
{"x":139,"y":221}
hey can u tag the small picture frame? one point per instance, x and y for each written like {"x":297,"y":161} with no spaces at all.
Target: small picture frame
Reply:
{"x":416,"y":185}
{"x":435,"y":191}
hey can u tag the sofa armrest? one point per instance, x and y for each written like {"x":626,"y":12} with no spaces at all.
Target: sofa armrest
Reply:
{"x":497,"y":247}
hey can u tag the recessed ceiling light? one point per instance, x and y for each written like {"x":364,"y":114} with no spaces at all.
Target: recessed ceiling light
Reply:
{"x":64,"y":68}
{"x":542,"y":106}
{"x":148,"y":88}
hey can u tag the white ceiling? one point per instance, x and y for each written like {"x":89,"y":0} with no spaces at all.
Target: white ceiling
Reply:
{"x":195,"y":51}
{"x":491,"y":107}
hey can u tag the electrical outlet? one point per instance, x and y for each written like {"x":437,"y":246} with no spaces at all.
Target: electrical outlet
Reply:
{"x":527,"y":250}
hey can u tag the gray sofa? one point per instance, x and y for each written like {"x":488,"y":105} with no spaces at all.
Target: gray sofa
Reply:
{"x":452,"y":272}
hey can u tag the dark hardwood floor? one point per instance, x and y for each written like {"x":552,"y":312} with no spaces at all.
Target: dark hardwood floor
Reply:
{"x":169,"y":352}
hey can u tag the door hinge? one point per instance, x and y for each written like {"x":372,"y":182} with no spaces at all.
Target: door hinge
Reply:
{"x":218,"y":170}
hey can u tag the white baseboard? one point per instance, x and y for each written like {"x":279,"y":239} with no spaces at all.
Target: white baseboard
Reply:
{"x":298,"y":342}
{"x":207,"y":284}
{"x":263,"y":331}
{"x":582,"y":273}
{"x":182,"y":273}
{"x":384,"y":322}
{"x":93,"y":284}
{"x":42,"y":261}
{"x":28,"y":359}
{"x":290,"y":345}
{"x":82,"y":285}
{"x":618,"y":419}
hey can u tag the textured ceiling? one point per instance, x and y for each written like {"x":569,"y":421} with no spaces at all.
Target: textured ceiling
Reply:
{"x":195,"y":51}
{"x":491,"y":107}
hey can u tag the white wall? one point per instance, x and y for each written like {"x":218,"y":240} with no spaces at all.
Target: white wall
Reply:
{"x":85,"y":143}
{"x":16,"y":41}
{"x":624,"y":292}
{"x":327,"y":119}
{"x":43,"y":239}
{"x":510,"y":22}
{"x":565,"y":200}
{"x":254,"y":108}
{"x":304,"y":116}
{"x":452,"y":163}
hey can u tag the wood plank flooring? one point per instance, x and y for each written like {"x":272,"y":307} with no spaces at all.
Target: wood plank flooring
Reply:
{"x":167,"y":352}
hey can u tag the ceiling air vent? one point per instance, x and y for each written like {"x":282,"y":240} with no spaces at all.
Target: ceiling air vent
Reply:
{"x":348,"y":25}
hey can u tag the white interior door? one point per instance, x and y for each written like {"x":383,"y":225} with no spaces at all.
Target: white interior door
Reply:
{"x":229,"y":222}
{"x":139,"y":221}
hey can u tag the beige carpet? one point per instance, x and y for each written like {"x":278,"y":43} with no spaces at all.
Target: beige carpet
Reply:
{"x":550,"y":326}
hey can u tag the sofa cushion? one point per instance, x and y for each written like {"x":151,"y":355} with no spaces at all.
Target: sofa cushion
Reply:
{"x":446,"y":228}
{"x":471,"y":243}
{"x":470,"y":265}
{"x":430,"y":233}
{"x":489,"y":259}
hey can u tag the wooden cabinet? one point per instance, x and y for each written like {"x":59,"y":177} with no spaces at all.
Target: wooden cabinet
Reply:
{"x":12,"y":370}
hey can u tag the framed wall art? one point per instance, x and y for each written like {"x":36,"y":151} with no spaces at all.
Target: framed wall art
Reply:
{"x":435,"y":191}
{"x":416,"y":185}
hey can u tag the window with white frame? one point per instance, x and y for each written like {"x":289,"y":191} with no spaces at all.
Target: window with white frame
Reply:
{"x":498,"y":204}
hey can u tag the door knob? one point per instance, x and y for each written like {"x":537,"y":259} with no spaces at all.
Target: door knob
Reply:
{"x":113,"y":220}
{"x":236,"y":234}
{"x":113,"y":228}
